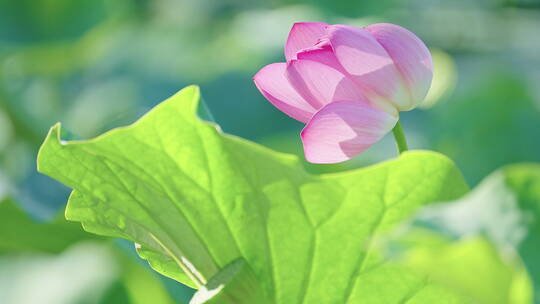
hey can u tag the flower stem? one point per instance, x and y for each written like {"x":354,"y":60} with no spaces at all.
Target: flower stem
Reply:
{"x":401,"y":142}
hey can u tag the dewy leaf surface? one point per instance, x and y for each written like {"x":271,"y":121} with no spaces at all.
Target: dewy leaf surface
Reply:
{"x":195,"y":200}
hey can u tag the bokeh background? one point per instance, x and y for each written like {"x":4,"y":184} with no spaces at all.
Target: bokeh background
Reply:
{"x":98,"y":64}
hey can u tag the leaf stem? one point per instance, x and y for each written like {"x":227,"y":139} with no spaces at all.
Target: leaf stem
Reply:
{"x":399,"y":136}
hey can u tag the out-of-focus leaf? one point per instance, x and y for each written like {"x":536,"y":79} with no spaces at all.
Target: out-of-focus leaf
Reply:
{"x":505,"y":208}
{"x":524,"y":182}
{"x":19,"y":233}
{"x":494,"y":117}
{"x":81,"y":274}
{"x":472,"y":267}
{"x":349,"y":8}
{"x":37,"y":20}
{"x":28,"y":242}
{"x":141,"y":286}
{"x":196,"y":200}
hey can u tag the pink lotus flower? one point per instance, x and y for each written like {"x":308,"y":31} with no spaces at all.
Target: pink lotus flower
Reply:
{"x":347,"y":84}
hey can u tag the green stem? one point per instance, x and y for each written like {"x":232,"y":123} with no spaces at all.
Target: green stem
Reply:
{"x":401,"y":142}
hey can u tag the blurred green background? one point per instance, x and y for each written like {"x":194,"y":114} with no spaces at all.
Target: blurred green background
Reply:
{"x":98,"y":64}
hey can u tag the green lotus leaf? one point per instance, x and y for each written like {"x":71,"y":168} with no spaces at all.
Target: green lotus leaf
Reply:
{"x":195,"y":200}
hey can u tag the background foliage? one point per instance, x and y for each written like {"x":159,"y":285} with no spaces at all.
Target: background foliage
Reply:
{"x":98,"y":64}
